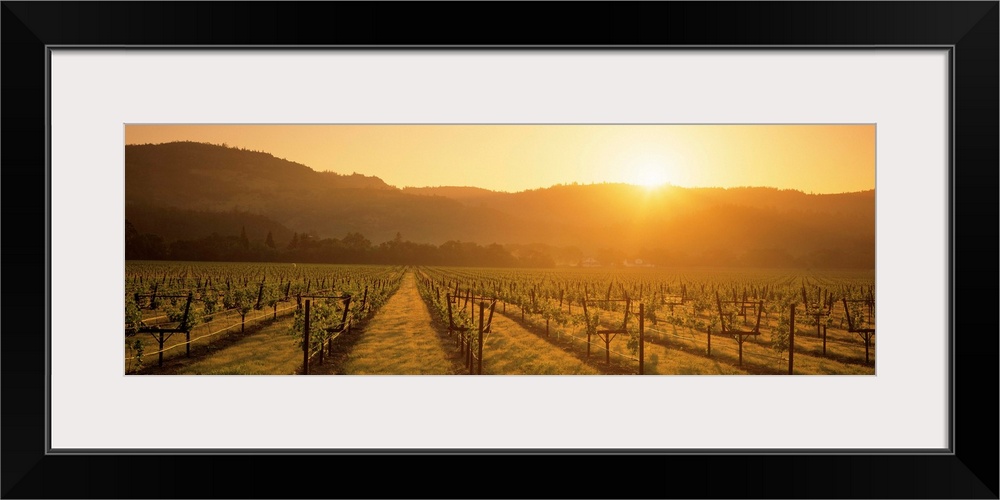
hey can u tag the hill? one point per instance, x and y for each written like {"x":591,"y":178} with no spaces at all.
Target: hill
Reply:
{"x":668,"y":225}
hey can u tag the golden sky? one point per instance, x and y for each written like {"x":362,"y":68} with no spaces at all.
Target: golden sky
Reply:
{"x":809,"y":158}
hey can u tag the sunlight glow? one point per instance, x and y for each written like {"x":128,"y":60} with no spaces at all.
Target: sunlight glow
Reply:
{"x":809,"y":158}
{"x":650,"y":175}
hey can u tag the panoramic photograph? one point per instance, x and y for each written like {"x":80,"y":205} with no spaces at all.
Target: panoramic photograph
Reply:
{"x":499,"y":249}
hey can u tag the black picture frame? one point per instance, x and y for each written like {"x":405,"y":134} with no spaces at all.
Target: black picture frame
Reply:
{"x":968,"y":470}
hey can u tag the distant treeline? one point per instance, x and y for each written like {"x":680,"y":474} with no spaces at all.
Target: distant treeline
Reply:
{"x":353,"y":248}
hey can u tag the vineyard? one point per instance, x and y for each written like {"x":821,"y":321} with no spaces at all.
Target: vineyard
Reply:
{"x":176,"y":311}
{"x":241,"y":318}
{"x":689,"y":322}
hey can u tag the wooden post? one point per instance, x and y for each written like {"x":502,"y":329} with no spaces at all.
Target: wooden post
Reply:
{"x":709,"y":341}
{"x":479,"y":368}
{"x":791,"y":338}
{"x":824,"y":340}
{"x":586,"y":317}
{"x":868,"y":339}
{"x":739,"y":338}
{"x":343,"y":319}
{"x":305,"y":342}
{"x":489,"y":319}
{"x":187,"y":309}
{"x":160,"y":362}
{"x":607,"y":348}
{"x":722,"y":318}
{"x":187,"y":330}
{"x":847,"y":313}
{"x":322,"y":347}
{"x":465,"y":346}
{"x":451,"y":323}
{"x":628,"y":309}
{"x":642,"y":340}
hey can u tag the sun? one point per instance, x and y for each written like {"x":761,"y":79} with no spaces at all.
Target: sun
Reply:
{"x":650,"y":175}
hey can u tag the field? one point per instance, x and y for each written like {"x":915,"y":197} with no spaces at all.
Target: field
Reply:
{"x":245,"y":318}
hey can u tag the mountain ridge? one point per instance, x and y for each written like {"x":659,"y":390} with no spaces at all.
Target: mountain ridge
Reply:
{"x":633,"y":220}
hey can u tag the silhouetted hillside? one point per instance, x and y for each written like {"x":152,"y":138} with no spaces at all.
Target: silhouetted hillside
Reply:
{"x":206,"y":177}
{"x":460,"y":193}
{"x":669,"y":225}
{"x":177,"y":224}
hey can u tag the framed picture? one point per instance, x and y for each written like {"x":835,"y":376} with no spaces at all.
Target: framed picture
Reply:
{"x":911,"y":85}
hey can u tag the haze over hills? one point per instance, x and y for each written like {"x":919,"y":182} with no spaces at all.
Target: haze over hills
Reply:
{"x":202,"y":183}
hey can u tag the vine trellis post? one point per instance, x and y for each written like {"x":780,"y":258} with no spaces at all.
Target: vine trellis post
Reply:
{"x":607,"y":335}
{"x":858,"y":324}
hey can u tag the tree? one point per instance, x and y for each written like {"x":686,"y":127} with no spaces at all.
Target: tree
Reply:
{"x":143,"y":245}
{"x":534,"y":258}
{"x":356,"y":242}
{"x":270,"y":240}
{"x":130,"y":232}
{"x":244,"y":241}
{"x":295,"y":241}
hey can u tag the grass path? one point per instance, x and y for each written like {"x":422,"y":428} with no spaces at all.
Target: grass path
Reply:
{"x":401,"y":339}
{"x":658,"y":359}
{"x":267,"y":351}
{"x":512,"y":350}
